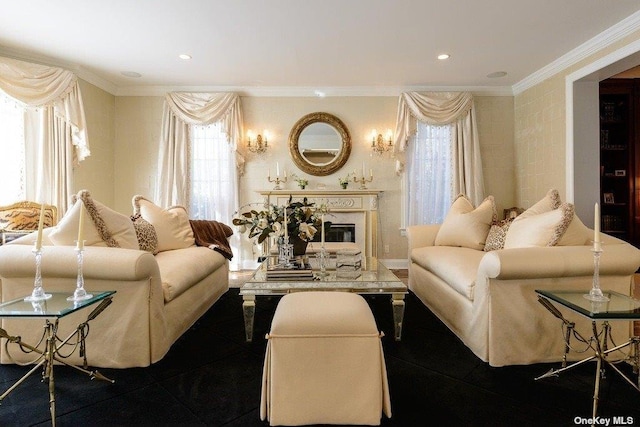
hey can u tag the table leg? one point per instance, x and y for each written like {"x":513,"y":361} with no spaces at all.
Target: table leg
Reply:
{"x":599,"y":356}
{"x":48,"y":370}
{"x":248,"y":310}
{"x":397,"y":305}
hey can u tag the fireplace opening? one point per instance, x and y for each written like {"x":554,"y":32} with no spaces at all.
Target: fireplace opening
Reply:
{"x":338,"y":233}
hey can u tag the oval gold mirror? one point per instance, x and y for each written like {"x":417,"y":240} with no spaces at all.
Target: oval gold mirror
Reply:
{"x":320,"y":144}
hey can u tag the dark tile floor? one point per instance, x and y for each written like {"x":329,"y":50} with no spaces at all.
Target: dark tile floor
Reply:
{"x":211,"y":377}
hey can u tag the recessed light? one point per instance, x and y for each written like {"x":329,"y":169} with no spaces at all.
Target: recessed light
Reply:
{"x":184,"y":56}
{"x":131,"y":74}
{"x":497,"y":74}
{"x":443,"y":56}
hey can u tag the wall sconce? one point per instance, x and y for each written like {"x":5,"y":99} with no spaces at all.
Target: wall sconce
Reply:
{"x":380,"y":144}
{"x":257,"y":144}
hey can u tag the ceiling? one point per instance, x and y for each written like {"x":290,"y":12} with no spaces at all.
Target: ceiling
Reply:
{"x":334,"y":46}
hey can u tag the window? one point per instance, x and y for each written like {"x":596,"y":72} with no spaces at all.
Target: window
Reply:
{"x":213,"y":189}
{"x":428,"y":188}
{"x":12,"y":171}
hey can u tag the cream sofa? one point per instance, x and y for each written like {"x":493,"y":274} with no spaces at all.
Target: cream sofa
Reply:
{"x":488,"y":299}
{"x":158,"y":297}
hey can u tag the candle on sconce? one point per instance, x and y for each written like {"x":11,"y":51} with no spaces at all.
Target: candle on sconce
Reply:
{"x":80,"y":243}
{"x":40,"y":226}
{"x":277,"y":169}
{"x":597,"y":246}
{"x":370,"y":172}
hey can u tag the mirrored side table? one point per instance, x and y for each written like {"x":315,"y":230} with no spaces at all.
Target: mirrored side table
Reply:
{"x":618,"y":307}
{"x":47,"y":351}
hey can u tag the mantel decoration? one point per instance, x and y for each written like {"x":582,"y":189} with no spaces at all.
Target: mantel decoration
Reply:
{"x":302,"y":182}
{"x":301,"y":222}
{"x":344,"y":181}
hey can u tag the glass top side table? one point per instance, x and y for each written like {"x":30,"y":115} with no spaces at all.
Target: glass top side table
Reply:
{"x":48,"y":350}
{"x":619,"y":307}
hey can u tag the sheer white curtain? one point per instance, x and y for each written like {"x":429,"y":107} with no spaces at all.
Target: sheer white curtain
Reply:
{"x":445,"y":108}
{"x":429,"y":183}
{"x":181,"y":111}
{"x":55,"y":127}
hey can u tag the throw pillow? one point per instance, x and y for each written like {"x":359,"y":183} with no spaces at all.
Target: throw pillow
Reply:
{"x":146,"y":233}
{"x":171,"y":224}
{"x":548,"y":203}
{"x":105,"y":228}
{"x":497,"y":235}
{"x":544,"y":229}
{"x":465,"y":226}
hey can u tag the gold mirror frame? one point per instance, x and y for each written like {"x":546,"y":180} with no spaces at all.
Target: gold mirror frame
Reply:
{"x":304,"y":164}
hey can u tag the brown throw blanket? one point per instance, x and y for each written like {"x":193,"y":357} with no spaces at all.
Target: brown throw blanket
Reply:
{"x":212,"y":234}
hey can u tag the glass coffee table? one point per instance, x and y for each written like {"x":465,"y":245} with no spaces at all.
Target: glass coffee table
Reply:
{"x":373,"y":279}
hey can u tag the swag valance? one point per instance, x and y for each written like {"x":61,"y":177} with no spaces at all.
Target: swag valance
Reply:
{"x":41,"y":86}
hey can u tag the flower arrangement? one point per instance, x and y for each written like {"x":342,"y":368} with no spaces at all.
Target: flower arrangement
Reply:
{"x":344,"y":181}
{"x":304,"y":219}
{"x":302,"y":182}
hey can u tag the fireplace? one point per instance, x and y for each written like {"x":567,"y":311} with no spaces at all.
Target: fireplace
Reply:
{"x":338,"y":233}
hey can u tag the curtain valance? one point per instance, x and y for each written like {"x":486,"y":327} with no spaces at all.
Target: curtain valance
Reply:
{"x":41,"y":86}
{"x":434,"y":108}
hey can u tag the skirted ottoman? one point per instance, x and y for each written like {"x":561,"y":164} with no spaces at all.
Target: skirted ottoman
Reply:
{"x":324,"y":362}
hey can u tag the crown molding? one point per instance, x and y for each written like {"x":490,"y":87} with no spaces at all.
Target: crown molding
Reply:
{"x":300,"y":91}
{"x":597,"y":43}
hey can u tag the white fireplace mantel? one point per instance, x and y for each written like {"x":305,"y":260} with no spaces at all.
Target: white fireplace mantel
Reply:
{"x":357,"y":206}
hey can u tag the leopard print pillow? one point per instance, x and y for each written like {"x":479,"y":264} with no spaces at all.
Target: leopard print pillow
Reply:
{"x":497,"y":235}
{"x":146,"y":233}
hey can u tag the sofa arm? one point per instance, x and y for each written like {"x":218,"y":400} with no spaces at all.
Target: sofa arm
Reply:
{"x":419,"y":236}
{"x":558,"y":261}
{"x":61,"y":261}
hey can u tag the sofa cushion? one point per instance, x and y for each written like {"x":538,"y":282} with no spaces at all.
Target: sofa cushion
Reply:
{"x":181,"y":269}
{"x":146,"y":233}
{"x":465,"y":226}
{"x":456,"y":266}
{"x":544,"y":229}
{"x":497,"y":235}
{"x":549,"y":202}
{"x":105,"y":228}
{"x":171,"y":224}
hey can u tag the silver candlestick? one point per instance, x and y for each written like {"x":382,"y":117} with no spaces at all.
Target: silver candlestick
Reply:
{"x":595,"y":294}
{"x":38,"y":293}
{"x":80,"y":293}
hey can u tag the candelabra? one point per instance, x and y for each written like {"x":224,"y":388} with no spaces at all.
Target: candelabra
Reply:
{"x":259,"y":146}
{"x":278,"y":181}
{"x":363,"y":181}
{"x":38,"y":293}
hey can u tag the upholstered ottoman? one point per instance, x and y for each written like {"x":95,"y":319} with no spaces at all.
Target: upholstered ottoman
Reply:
{"x":324,"y":362}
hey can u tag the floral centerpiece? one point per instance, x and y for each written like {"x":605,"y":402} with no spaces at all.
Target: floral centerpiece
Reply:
{"x":304,"y":219}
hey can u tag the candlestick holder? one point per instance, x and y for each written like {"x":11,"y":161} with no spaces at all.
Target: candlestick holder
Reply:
{"x":80,"y":294}
{"x":285,"y":253}
{"x":278,"y":181}
{"x":323,"y":258}
{"x":38,"y":293}
{"x":363,"y":181}
{"x":595,"y":294}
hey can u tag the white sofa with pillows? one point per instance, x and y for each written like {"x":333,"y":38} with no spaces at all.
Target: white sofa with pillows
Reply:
{"x":163,"y":281}
{"x":479,"y":276}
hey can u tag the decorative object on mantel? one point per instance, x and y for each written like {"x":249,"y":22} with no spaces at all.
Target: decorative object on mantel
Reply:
{"x":363,"y":180}
{"x":294,"y":223}
{"x":380,"y":144}
{"x":277,"y":179}
{"x":344,"y":182}
{"x":302,"y":182}
{"x":259,"y":145}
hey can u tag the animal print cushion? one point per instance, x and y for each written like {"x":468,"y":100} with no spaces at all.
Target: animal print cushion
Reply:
{"x":146,"y":233}
{"x":497,"y":235}
{"x":17,"y":217}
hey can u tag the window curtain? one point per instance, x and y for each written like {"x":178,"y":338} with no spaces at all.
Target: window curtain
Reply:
{"x":442,"y":108}
{"x":55,"y":127}
{"x":182,"y":110}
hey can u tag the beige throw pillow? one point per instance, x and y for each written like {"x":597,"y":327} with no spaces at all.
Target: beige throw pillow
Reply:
{"x":171,"y":224}
{"x":102,"y":226}
{"x":465,"y":226}
{"x":543,"y":229}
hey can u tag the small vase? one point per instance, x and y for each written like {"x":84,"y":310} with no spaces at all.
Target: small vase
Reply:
{"x":344,"y":186}
{"x":302,"y":187}
{"x":299,"y":246}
